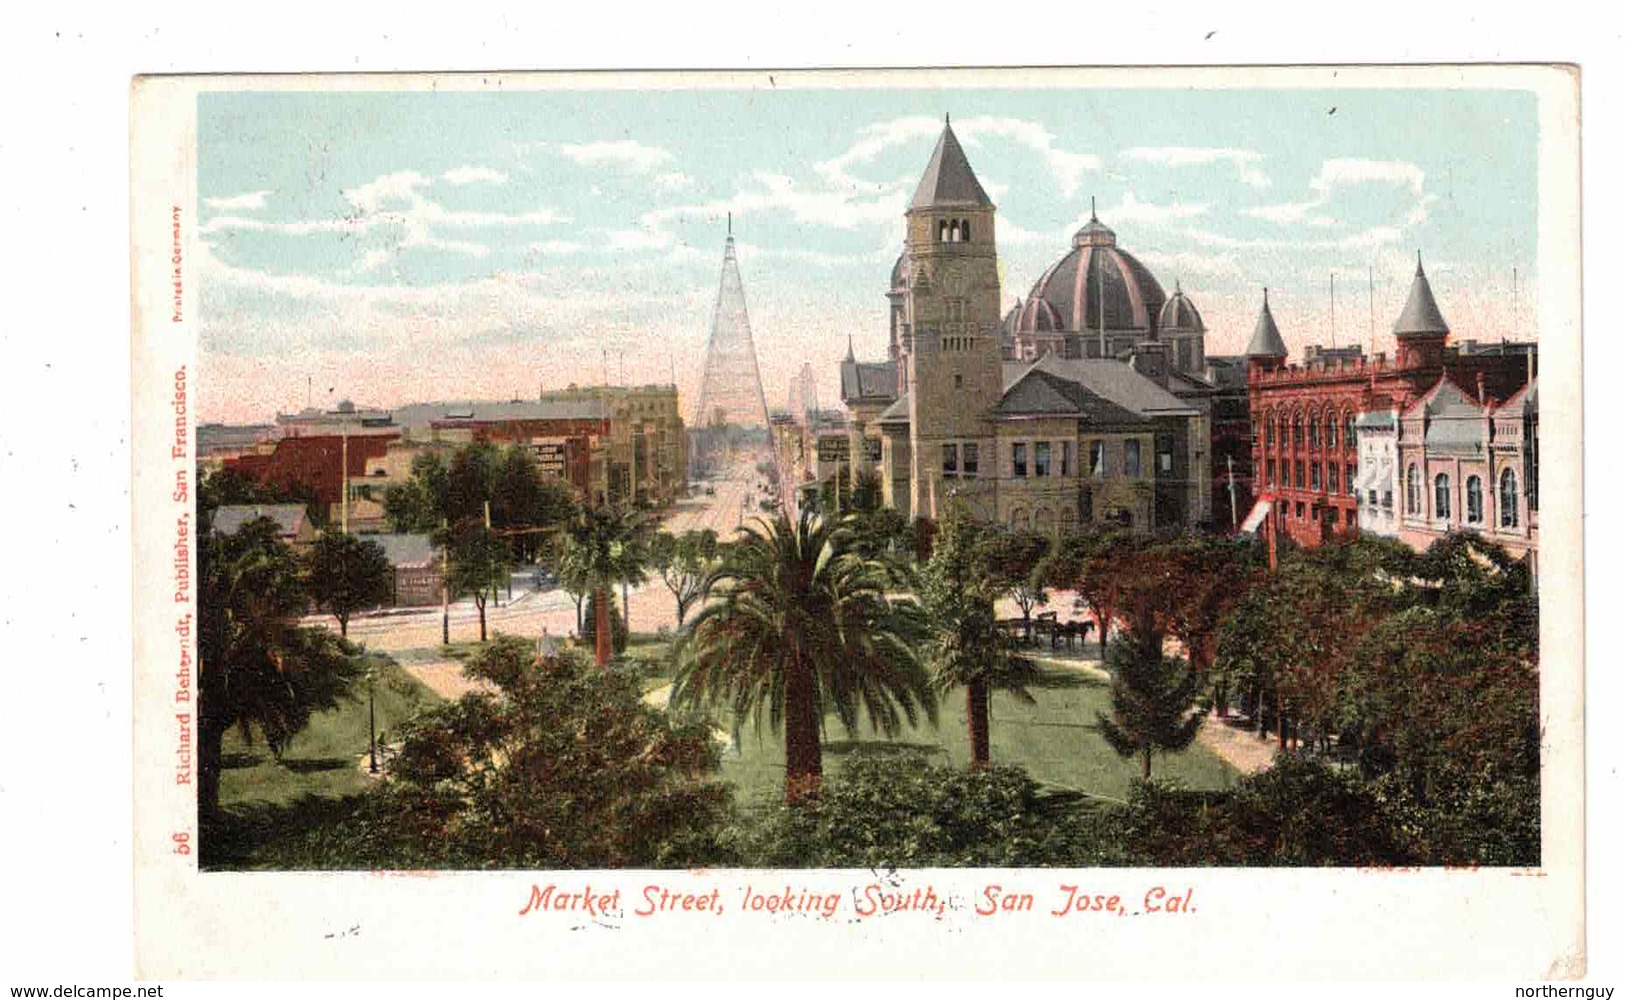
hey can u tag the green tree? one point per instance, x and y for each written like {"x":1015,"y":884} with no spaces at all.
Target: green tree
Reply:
{"x":1155,"y":700}
{"x":684,"y":563}
{"x":965,"y":646}
{"x":799,"y":625}
{"x":348,"y":574}
{"x":259,"y":670}
{"x":604,"y":546}
{"x":525,"y":503}
{"x":566,"y":767}
{"x":418,"y":506}
{"x":480,"y":562}
{"x":1013,"y":563}
{"x":1085,"y":562}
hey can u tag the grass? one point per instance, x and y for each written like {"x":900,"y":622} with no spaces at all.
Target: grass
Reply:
{"x":324,"y":759}
{"x":1055,"y":740}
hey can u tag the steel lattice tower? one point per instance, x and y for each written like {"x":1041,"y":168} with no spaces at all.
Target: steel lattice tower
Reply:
{"x":731,"y":389}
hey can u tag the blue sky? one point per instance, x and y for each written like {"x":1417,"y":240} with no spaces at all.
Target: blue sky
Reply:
{"x":399,"y":246}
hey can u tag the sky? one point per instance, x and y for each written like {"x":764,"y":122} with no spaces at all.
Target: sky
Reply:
{"x":397,"y":247}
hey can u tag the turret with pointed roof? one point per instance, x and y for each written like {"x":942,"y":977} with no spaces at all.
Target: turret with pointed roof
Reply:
{"x":1421,"y":316}
{"x":948,"y":180}
{"x":1266,"y":345}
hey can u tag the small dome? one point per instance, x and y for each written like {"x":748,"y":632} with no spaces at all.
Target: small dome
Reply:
{"x":1179,"y":314}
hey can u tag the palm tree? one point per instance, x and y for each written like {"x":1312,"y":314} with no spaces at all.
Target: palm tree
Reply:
{"x":966,"y":647}
{"x":800,"y":625}
{"x":604,"y":547}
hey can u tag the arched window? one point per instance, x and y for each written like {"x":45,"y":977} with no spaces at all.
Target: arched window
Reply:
{"x":1348,"y":430}
{"x":1297,"y":430}
{"x":1314,"y":431}
{"x":1269,"y":431}
{"x":1475,"y":500}
{"x":1441,"y":496}
{"x":1509,"y":499}
{"x":964,"y":230}
{"x":1042,"y":521}
{"x":1413,"y":491}
{"x":942,"y":230}
{"x":1282,"y":423}
{"x":1331,"y":430}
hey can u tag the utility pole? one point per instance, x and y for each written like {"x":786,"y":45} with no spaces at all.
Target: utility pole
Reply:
{"x":445,"y":587}
{"x":1230,"y":474}
{"x":344,"y":480}
{"x":1332,"y":309}
{"x":372,"y":721}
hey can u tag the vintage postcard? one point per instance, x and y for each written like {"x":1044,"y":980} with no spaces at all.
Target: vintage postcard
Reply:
{"x":761,"y":524}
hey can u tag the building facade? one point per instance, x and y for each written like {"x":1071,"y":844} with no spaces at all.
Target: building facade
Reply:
{"x":1031,"y":431}
{"x":1305,"y":439}
{"x":1377,"y":482}
{"x":1468,"y":464}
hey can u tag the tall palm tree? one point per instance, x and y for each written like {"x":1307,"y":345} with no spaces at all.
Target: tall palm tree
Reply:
{"x":965,"y":646}
{"x":604,"y":547}
{"x":800,"y":625}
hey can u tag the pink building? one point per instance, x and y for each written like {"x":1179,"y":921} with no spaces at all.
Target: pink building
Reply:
{"x":1470,"y":463}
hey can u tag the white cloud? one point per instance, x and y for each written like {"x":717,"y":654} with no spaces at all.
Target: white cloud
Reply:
{"x":625,"y":154}
{"x":1067,"y":167}
{"x":779,"y":192}
{"x":474,"y":175}
{"x":1132,"y":209}
{"x":557,"y":247}
{"x":672,"y":181}
{"x":1245,"y":161}
{"x":1337,"y":174}
{"x":393,"y":210}
{"x":249,"y":201}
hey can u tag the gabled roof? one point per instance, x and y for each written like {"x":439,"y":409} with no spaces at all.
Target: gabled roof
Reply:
{"x":1266,"y":342}
{"x":897,"y":413}
{"x":413,"y":551}
{"x":868,"y":382}
{"x":1115,"y":382}
{"x":289,"y":517}
{"x":1524,"y":400}
{"x":1421,"y":313}
{"x":948,"y":178}
{"x":1454,"y":421}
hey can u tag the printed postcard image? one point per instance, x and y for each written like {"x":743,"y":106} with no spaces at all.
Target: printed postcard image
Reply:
{"x":716,"y":523}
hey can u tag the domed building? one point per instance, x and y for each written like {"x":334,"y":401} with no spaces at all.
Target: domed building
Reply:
{"x":1100,"y":301}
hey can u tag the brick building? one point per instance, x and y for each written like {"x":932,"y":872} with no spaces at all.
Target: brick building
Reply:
{"x":1305,"y":441}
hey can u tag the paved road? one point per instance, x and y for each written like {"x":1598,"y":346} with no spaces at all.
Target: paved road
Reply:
{"x":532,"y":613}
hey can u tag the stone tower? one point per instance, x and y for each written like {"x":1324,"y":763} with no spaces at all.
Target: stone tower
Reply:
{"x":950,"y":349}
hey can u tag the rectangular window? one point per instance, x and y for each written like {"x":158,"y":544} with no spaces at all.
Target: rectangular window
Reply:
{"x":1041,"y":459}
{"x":1066,"y":458}
{"x":1388,"y":499}
{"x":1269,"y":471}
{"x":1331,"y":477}
{"x":1018,"y":459}
{"x":950,"y":461}
{"x":970,"y":463}
{"x":1131,"y":458}
{"x":1348,"y":518}
{"x":1371,"y":497}
{"x":1348,"y":473}
{"x":1097,"y":459}
{"x":1314,"y":475}
{"x":1297,"y":474}
{"x":1299,"y":506}
{"x":1165,"y":453}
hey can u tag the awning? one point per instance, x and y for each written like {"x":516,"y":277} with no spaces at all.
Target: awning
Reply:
{"x":1256,"y":516}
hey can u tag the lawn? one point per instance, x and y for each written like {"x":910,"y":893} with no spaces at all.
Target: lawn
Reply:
{"x":1055,"y":740}
{"x":325,"y":758}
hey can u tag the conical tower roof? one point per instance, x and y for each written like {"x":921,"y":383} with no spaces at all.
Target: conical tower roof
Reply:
{"x":1266,"y":342}
{"x":1421,"y":314}
{"x":949,"y":180}
{"x":731,"y":388}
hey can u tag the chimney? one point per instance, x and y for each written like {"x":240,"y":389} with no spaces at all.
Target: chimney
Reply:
{"x":1150,"y":359}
